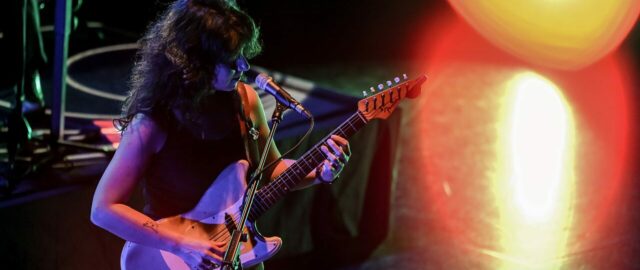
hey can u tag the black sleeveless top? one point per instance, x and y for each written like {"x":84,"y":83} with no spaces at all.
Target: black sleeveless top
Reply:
{"x":188,"y":163}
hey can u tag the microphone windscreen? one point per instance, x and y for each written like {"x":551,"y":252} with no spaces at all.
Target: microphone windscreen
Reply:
{"x":259,"y":79}
{"x":251,"y":75}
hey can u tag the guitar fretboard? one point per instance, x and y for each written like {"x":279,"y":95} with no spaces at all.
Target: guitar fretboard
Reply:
{"x":268,"y":195}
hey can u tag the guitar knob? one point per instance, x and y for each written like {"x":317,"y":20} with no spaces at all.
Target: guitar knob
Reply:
{"x":389,"y":83}
{"x":380,"y":86}
{"x":364,"y":93}
{"x":372,"y":89}
{"x":405,"y":76}
{"x":396,"y":79}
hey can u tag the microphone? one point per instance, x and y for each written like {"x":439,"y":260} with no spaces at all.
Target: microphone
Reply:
{"x":266,"y":83}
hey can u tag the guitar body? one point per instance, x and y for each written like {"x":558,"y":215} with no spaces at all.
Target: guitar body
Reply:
{"x":214,"y":217}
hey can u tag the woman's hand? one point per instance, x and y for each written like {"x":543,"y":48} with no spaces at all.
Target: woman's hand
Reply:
{"x":200,"y":254}
{"x":337,"y":154}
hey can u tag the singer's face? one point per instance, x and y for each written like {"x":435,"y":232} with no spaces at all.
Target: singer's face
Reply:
{"x":228,"y":74}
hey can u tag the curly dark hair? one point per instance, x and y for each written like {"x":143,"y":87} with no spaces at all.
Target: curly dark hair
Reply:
{"x":175,"y":64}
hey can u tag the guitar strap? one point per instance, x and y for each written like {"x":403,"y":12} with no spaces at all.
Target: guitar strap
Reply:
{"x":247,"y":129}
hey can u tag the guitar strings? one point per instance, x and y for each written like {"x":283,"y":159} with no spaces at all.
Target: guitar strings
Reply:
{"x":342,"y":129}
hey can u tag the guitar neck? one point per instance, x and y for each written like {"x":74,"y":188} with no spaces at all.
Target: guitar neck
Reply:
{"x":379,"y":105}
{"x":268,"y":195}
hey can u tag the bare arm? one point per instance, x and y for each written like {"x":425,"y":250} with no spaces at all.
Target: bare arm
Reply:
{"x":109,"y":210}
{"x":139,"y":142}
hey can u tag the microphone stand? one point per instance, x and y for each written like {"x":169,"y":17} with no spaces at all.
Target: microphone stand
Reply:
{"x":231,"y":260}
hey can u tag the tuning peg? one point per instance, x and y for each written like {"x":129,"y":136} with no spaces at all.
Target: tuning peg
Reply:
{"x":372,"y":89}
{"x":364,"y":93}
{"x":389,"y":83}
{"x":380,"y":86}
{"x":405,"y":76}
{"x":396,"y":80}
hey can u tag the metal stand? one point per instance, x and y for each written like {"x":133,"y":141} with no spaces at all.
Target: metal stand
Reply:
{"x":231,"y":260}
{"x":62,"y":32}
{"x":62,"y":23}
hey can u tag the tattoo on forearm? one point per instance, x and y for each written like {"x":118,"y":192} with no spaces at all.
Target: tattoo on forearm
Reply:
{"x":151,"y":225}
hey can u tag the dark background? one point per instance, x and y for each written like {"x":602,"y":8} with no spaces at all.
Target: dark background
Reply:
{"x":294,"y":33}
{"x":317,"y":40}
{"x":314,"y":39}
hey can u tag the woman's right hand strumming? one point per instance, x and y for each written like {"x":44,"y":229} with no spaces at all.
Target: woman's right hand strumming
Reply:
{"x":199,"y":253}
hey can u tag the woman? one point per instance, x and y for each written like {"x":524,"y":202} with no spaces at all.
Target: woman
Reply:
{"x":183,"y":123}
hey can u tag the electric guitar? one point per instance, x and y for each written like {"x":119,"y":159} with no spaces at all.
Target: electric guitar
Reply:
{"x":219,"y":210}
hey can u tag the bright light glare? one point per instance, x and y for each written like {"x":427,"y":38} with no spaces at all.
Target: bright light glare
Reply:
{"x":538,"y":146}
{"x":535,"y":189}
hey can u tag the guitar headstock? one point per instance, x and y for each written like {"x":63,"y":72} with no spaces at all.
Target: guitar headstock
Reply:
{"x":382,"y":102}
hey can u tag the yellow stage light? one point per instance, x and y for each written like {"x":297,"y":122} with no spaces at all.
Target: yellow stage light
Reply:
{"x":565,"y":34}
